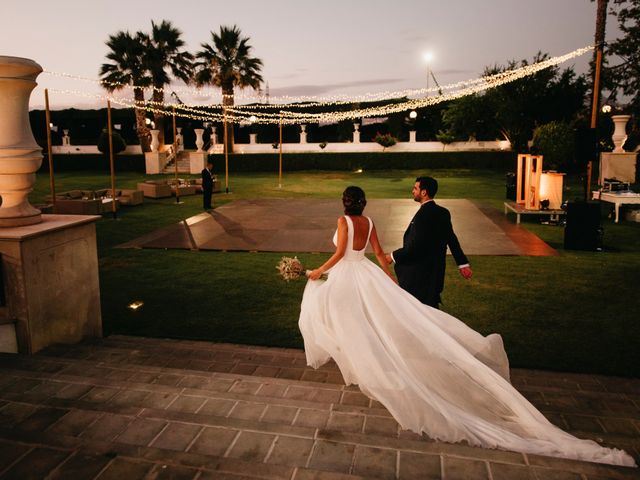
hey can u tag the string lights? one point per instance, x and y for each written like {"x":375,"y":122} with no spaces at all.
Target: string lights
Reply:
{"x":245,"y":114}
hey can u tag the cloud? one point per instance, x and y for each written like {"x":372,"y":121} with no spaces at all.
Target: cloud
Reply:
{"x":298,"y":90}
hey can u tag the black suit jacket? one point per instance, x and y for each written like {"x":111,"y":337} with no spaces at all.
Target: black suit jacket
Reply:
{"x":420,"y":263}
{"x":207,"y":180}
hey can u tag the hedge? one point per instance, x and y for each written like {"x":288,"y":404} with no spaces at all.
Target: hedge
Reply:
{"x":366,"y":160}
{"x":305,"y":161}
{"x":93,"y":162}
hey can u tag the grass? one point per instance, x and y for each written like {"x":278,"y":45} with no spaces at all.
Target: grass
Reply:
{"x":575,"y":312}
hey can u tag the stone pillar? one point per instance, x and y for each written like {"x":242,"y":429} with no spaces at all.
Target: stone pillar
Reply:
{"x":412,"y":136}
{"x":356,"y":133}
{"x":180,"y":139}
{"x":20,"y":155}
{"x":66,"y":139}
{"x":253,"y":138}
{"x":197,"y":161}
{"x":303,"y":134}
{"x":155,"y":141}
{"x":199,"y":139}
{"x":619,"y":136}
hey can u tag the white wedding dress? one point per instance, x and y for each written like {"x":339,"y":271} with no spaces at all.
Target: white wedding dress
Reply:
{"x":432,"y":372}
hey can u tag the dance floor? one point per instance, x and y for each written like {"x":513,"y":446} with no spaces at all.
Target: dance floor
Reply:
{"x":307,"y":225}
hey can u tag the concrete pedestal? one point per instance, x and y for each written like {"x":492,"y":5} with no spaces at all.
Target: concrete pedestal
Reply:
{"x":197,"y":161}
{"x":154,"y":162}
{"x":621,"y":166}
{"x":50,"y":275}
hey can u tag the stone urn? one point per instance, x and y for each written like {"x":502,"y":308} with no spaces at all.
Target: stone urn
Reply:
{"x":303,"y":134}
{"x":20,"y":155}
{"x":620,"y":132}
{"x":199,"y":139}
{"x":155,"y":141}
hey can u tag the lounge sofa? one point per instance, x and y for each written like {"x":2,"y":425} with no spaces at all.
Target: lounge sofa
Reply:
{"x":128,"y":197}
{"x":155,"y":189}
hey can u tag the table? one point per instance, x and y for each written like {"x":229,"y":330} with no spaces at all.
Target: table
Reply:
{"x":519,"y":209}
{"x":617,"y":198}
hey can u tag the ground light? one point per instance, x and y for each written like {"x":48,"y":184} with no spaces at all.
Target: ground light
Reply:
{"x":135,"y":305}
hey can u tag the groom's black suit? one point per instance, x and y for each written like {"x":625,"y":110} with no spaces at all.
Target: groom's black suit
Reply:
{"x":420,"y":263}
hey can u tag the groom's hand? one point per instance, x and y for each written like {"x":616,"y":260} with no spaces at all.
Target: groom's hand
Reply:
{"x":466,"y":272}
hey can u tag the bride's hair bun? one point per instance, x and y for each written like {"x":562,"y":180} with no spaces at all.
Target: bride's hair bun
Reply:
{"x":354,"y":200}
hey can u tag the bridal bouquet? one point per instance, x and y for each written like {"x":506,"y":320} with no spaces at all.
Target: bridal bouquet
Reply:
{"x":292,"y":269}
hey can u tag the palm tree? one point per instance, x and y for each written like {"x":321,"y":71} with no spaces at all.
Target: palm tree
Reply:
{"x":126,"y":68}
{"x":227,"y":63}
{"x":165,"y":58}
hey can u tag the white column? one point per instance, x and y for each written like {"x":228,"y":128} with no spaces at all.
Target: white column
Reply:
{"x":155,"y":142}
{"x":253,"y":138}
{"x":199,"y":140}
{"x":356,"y":133}
{"x":303,"y":134}
{"x":66,"y":139}
{"x":20,"y":155}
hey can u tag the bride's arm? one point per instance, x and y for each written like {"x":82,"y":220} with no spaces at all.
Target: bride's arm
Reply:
{"x":340,"y":249}
{"x":377,"y":249}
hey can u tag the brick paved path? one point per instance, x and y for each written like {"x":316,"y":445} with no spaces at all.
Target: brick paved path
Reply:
{"x":126,"y":408}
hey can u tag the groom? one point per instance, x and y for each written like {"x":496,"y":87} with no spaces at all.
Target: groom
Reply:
{"x":420,"y":263}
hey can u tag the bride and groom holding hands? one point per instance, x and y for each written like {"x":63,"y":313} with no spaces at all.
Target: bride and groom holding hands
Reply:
{"x":432,"y":372}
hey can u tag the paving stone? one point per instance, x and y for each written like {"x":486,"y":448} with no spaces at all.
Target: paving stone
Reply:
{"x":120,"y":375}
{"x":193,"y":381}
{"x":583,"y":423}
{"x":13,"y":413}
{"x":344,"y":422}
{"x":290,"y":373}
{"x":186,"y":403}
{"x":335,"y":457}
{"x":355,"y":398}
{"x":21,"y":385}
{"x":141,"y":431}
{"x":80,"y":467}
{"x":143,"y":377}
{"x":272,"y":390}
{"x":168,"y":379}
{"x":159,"y":400}
{"x":300,"y":393}
{"x":41,"y":419}
{"x":73,"y":391}
{"x":375,"y":462}
{"x":123,"y":469}
{"x":107,"y":427}
{"x":177,"y":436}
{"x":48,"y":389}
{"x":74,"y":422}
{"x":320,"y":475}
{"x":311,"y":418}
{"x":549,"y":474}
{"x":248,"y":410}
{"x":219,"y":407}
{"x":416,"y":465}
{"x":463,"y":469}
{"x":36,"y":464}
{"x":10,"y":452}
{"x":279,"y":414}
{"x":213,"y":441}
{"x":130,"y":397}
{"x":244,"y":387}
{"x":290,"y":451}
{"x":314,"y":376}
{"x":244,"y":369}
{"x":620,"y":426}
{"x":251,"y":446}
{"x":171,"y":472}
{"x":503,"y":471}
{"x":381,"y":426}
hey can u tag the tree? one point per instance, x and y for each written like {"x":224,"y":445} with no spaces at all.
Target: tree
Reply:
{"x":116,"y":139}
{"x":127,"y":68}
{"x":555,"y":141}
{"x":165,"y":58}
{"x":227,"y":63}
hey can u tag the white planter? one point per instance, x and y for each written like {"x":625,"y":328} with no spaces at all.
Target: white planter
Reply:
{"x":155,"y":142}
{"x":620,"y":132}
{"x":199,"y":140}
{"x":253,"y":138}
{"x":20,"y":155}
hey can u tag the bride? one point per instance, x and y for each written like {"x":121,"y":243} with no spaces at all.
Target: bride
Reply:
{"x":432,"y":372}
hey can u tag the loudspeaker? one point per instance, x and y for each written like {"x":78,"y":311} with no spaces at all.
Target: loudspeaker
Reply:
{"x":586,"y":145}
{"x":583,"y":230}
{"x":511,"y":186}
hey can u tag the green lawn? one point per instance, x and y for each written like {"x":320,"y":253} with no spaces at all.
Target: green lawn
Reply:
{"x":576,"y":312}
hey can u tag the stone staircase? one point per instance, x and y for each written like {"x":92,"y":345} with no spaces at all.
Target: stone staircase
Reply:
{"x":129,"y":407}
{"x":183,"y":164}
